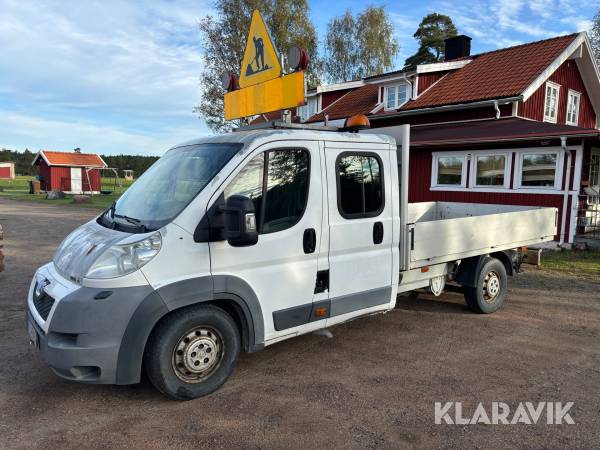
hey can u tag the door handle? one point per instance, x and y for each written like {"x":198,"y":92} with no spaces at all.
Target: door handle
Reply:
{"x":309,"y":241}
{"x":377,"y":233}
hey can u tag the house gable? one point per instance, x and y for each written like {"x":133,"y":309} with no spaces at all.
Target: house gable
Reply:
{"x":568,"y":77}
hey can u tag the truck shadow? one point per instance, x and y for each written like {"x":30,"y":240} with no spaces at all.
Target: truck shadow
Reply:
{"x":421,"y":301}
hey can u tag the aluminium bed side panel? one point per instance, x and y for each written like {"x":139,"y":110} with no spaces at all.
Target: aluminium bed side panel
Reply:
{"x":437,"y":241}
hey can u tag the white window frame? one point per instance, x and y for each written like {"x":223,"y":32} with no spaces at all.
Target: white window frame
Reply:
{"x":434,"y":170}
{"x":558,"y":170}
{"x":507,"y":169}
{"x":573,"y":94}
{"x":304,"y":111}
{"x":547,"y":118}
{"x":396,"y":103}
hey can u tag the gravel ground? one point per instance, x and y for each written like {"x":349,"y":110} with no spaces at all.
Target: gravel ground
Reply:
{"x":372,"y":386}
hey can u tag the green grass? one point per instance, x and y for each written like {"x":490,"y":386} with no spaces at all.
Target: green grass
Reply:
{"x":18,"y":189}
{"x":576,"y":262}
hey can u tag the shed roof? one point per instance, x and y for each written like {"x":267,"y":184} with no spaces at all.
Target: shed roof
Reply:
{"x":70,"y":159}
{"x":492,"y":131}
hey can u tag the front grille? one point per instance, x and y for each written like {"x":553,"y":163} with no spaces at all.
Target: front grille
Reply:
{"x":43,"y":305}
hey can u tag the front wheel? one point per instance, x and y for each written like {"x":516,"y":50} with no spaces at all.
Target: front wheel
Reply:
{"x":192,"y":352}
{"x":490,"y":291}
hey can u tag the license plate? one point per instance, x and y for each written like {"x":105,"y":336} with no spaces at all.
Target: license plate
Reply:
{"x":33,"y":336}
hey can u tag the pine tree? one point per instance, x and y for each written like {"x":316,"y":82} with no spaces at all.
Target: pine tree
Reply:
{"x":432,"y":31}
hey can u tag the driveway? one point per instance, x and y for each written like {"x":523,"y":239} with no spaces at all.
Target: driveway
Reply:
{"x":374,"y":384}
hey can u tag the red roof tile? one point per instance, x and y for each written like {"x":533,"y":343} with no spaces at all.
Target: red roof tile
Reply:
{"x":497,"y":74}
{"x":71,"y":159}
{"x":359,"y":101}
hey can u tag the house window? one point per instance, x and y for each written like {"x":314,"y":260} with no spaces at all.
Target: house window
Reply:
{"x":395,"y":96}
{"x":490,"y":170}
{"x":360,"y":185}
{"x":551,"y":103}
{"x":573,"y":100}
{"x":449,"y":170}
{"x":539,"y":169}
{"x":310,"y":109}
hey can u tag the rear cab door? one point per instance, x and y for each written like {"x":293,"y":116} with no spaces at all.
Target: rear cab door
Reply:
{"x":360,"y":203}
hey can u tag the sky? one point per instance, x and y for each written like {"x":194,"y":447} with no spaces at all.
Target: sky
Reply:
{"x":119,"y":76}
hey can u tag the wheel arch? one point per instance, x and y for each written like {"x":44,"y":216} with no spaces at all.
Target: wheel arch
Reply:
{"x":222,"y":291}
{"x":468,"y":270}
{"x":506,"y":260}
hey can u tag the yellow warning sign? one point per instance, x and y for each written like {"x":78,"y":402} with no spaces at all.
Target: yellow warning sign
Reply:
{"x":273,"y":95}
{"x":261,"y":60}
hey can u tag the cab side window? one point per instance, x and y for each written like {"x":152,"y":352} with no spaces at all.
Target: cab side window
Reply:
{"x":249,"y":183}
{"x":279,"y":197}
{"x":360,"y":185}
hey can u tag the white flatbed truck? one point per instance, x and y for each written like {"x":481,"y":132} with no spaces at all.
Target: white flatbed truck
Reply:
{"x":236,"y":242}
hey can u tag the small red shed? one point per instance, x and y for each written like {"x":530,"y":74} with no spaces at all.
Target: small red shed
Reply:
{"x":7,"y":171}
{"x":70,"y":172}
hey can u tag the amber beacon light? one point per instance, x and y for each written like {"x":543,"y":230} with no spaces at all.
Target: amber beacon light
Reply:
{"x":357,"y":122}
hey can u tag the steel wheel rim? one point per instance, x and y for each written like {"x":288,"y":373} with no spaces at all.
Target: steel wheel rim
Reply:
{"x":197,"y":354}
{"x":491,"y":287}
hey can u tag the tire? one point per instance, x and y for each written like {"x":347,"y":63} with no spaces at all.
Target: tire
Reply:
{"x":491,"y":289}
{"x":192,"y":351}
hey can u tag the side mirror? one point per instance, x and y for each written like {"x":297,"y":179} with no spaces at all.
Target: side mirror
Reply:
{"x":240,"y":221}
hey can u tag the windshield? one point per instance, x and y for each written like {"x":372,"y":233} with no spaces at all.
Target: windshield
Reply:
{"x":167,"y":187}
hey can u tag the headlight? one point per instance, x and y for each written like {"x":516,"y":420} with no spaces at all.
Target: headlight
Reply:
{"x":120,"y":260}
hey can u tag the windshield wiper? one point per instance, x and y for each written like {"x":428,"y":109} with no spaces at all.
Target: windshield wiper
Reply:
{"x":111,"y":210}
{"x":131,"y":220}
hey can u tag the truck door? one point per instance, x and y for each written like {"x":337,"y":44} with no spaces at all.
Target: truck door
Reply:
{"x":284,"y":180}
{"x":360,"y":228}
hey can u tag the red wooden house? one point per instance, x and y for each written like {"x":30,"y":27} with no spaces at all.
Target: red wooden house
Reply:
{"x":513,"y":126}
{"x":70,"y":172}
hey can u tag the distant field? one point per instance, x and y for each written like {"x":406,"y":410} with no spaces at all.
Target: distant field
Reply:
{"x":18,"y":189}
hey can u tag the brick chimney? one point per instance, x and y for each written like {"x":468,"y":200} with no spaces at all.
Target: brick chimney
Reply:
{"x":457,"y":47}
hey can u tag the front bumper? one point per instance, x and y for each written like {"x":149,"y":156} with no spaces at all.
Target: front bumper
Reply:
{"x":91,"y":339}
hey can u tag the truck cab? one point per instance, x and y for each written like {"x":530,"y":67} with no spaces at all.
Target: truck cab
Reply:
{"x":232,"y":243}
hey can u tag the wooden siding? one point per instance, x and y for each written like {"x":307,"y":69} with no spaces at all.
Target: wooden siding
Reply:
{"x":45,"y":183}
{"x":568,"y":77}
{"x":94,"y":180}
{"x":327,"y":98}
{"x":60,"y":178}
{"x":420,"y":188}
{"x":426,"y":80}
{"x":5,"y":172}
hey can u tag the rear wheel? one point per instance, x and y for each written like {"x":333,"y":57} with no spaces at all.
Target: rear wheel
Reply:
{"x":490,"y":291}
{"x":192,"y":352}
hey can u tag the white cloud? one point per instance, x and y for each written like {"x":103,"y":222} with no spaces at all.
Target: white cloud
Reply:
{"x":511,"y":22}
{"x":404,"y":28}
{"x":130,"y":66}
{"x":67,"y":135}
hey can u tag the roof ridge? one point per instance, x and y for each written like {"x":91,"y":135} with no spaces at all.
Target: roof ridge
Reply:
{"x":573,"y":35}
{"x":68,"y":153}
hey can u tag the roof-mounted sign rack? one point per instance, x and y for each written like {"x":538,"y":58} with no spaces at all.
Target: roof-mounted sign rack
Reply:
{"x":353,"y":124}
{"x":280,"y":125}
